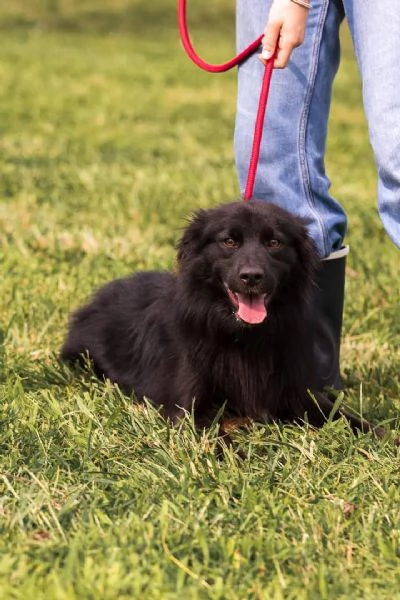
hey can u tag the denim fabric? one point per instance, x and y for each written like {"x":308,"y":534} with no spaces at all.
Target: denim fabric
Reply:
{"x":291,"y":170}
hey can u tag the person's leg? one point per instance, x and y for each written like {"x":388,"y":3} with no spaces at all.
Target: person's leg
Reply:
{"x":375,"y":28}
{"x":291,"y":169}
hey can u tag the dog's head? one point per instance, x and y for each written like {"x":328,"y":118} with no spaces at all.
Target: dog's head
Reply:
{"x":252,"y":256}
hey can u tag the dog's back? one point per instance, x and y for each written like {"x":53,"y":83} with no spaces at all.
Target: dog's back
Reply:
{"x":114,"y":331}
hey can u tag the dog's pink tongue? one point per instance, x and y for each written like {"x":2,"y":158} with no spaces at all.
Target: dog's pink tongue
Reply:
{"x":251,"y":308}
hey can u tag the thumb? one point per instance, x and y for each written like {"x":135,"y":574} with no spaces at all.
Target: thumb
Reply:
{"x":270,"y":39}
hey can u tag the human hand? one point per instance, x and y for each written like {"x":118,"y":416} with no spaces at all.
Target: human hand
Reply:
{"x":286,"y":27}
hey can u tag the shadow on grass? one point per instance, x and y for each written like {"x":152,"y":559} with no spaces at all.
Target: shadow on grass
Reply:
{"x":35,"y":376}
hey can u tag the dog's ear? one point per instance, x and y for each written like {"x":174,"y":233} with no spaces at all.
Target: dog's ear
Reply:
{"x":191,"y":240}
{"x":309,"y":263}
{"x":307,"y":252}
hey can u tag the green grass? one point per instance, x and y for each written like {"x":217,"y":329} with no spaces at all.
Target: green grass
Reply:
{"x":109,"y":138}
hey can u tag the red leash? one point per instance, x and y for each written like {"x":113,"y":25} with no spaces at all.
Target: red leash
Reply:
{"x":262,"y":103}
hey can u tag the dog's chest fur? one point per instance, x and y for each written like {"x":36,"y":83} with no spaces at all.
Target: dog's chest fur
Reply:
{"x":246,"y":378}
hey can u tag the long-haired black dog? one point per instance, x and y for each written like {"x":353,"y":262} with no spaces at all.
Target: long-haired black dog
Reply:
{"x":234,"y":324}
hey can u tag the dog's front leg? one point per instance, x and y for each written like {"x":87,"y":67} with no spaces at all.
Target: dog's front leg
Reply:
{"x":188,"y":391}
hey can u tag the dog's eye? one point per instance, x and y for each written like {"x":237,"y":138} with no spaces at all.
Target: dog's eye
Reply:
{"x":230,"y":243}
{"x":274,"y":243}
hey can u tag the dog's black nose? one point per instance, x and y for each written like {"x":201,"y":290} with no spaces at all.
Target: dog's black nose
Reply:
{"x":251,"y":276}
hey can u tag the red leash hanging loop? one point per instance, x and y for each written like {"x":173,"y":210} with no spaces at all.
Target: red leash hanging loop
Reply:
{"x":236,"y":60}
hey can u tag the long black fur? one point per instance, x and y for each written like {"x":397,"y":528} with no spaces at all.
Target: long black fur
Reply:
{"x":175,"y":338}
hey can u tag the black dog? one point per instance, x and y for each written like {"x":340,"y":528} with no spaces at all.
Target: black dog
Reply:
{"x":234,"y":325}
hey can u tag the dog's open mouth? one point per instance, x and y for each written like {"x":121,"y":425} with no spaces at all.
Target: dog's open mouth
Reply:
{"x":251,"y":309}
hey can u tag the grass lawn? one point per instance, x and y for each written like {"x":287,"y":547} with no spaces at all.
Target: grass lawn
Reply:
{"x":109,"y":138}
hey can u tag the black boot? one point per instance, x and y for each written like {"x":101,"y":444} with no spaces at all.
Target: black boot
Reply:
{"x":329,"y":302}
{"x":329,"y":307}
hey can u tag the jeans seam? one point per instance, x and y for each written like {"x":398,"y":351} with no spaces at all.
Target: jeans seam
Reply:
{"x":304,"y":123}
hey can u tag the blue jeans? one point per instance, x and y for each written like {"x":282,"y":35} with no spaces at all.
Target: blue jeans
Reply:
{"x":291,"y":170}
